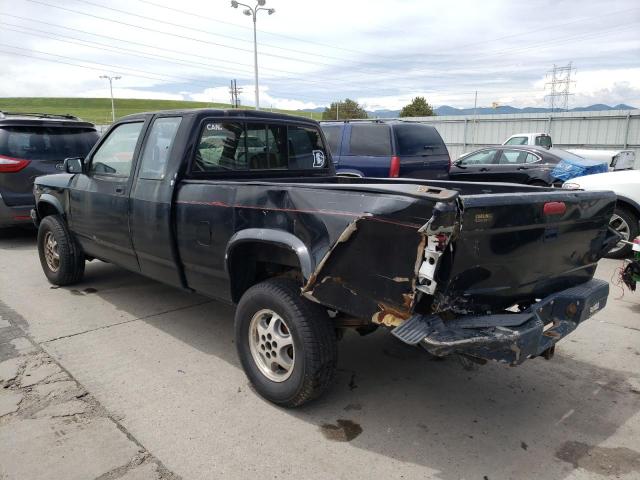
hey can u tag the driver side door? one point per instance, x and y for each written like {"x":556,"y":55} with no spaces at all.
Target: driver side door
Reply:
{"x":99,"y":198}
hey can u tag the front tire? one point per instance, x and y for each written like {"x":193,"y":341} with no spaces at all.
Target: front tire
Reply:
{"x":286,"y":344}
{"x":625,"y":223}
{"x":61,"y":256}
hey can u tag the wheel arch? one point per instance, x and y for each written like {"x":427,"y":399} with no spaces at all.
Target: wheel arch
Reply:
{"x":630,"y":204}
{"x":250,"y":246}
{"x":48,"y":205}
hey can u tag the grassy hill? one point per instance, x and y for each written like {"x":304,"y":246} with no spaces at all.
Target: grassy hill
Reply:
{"x":98,"y":110}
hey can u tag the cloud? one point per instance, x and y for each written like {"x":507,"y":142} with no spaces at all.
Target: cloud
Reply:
{"x":379,"y":52}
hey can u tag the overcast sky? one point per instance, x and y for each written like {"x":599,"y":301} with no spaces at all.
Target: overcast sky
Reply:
{"x":380,"y":53}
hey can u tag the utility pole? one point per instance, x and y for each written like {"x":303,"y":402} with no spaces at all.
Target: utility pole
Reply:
{"x":338,"y":110}
{"x":475,"y":118}
{"x":111,"y":79}
{"x":253,"y":12}
{"x":234,"y":91}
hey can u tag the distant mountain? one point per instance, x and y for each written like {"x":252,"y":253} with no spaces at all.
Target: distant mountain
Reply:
{"x":447,"y":110}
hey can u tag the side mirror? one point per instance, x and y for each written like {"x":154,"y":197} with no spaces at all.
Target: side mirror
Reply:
{"x":74,"y":165}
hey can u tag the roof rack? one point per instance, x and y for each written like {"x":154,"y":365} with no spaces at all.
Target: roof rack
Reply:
{"x":35,"y":114}
{"x":355,"y":120}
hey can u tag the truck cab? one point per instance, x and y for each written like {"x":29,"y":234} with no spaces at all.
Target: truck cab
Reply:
{"x":538,"y":139}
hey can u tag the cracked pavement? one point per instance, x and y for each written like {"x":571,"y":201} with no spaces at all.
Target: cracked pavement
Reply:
{"x":120,"y":377}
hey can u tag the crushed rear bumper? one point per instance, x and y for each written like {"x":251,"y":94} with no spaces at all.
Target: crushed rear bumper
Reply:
{"x":508,"y":337}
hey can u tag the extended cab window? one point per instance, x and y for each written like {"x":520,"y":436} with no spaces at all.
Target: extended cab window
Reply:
{"x":370,"y":139}
{"x":157,"y":148}
{"x":115,"y":154}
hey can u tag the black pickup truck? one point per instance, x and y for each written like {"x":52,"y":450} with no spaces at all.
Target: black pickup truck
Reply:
{"x":245,"y":207}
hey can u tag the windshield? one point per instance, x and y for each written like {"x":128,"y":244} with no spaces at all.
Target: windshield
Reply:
{"x":46,"y":143}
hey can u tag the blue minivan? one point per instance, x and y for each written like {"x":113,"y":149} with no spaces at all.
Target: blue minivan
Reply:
{"x":387,"y":148}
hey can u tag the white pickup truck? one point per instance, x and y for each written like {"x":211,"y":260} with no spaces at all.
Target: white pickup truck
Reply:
{"x":616,"y":159}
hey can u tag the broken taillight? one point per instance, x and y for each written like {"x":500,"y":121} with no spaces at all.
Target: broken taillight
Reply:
{"x":394,"y":169}
{"x":11,"y":165}
{"x":554,"y":208}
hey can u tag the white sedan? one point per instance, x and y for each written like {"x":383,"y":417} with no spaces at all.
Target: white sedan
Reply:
{"x":626,"y":219}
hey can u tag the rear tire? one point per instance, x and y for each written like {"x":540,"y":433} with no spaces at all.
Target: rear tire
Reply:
{"x":286,"y":344}
{"x":61,"y":256}
{"x":624,"y":222}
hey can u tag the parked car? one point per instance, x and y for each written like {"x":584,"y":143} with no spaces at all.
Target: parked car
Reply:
{"x":518,"y":164}
{"x":616,"y":159}
{"x":626,"y":217}
{"x":382,"y":148}
{"x":275,"y":231}
{"x":33,"y":144}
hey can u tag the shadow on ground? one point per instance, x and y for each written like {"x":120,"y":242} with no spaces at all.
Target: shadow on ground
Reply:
{"x":399,"y":402}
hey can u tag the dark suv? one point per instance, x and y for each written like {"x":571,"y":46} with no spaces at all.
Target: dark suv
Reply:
{"x":387,"y":148}
{"x":34,"y":144}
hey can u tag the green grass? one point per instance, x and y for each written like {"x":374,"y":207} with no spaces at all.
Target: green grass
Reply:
{"x":98,"y":110}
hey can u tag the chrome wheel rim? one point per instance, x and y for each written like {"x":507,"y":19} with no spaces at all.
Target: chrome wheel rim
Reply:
{"x":622,"y":228}
{"x":271,"y":345}
{"x":51,"y":253}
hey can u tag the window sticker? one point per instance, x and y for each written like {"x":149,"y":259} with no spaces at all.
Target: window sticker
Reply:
{"x":318,"y":159}
{"x":214,"y":126}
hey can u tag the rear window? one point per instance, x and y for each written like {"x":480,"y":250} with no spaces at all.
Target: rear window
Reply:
{"x":370,"y":140}
{"x":416,"y":139}
{"x":46,"y":143}
{"x":333,"y":134}
{"x":258,"y":146}
{"x":543,"y":141}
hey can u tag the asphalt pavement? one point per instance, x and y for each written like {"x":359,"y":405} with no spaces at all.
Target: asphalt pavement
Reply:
{"x":143,"y":381}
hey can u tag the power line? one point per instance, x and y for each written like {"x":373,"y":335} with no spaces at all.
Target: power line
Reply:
{"x":137,"y":53}
{"x":121,"y":70}
{"x":207,"y":32}
{"x":180,"y":52}
{"x":184,"y":37}
{"x":288,"y":37}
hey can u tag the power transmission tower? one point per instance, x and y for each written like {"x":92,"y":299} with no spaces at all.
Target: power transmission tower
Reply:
{"x":560,"y":87}
{"x":234,"y":91}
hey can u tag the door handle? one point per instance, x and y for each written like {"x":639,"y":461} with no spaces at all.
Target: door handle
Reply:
{"x":120,"y":190}
{"x":522,"y":168}
{"x":484,"y":169}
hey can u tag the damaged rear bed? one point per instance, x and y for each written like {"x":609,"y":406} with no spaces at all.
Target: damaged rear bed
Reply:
{"x":500,"y":276}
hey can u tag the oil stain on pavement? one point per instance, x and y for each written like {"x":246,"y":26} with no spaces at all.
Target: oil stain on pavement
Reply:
{"x":602,"y":460}
{"x":344,"y":431}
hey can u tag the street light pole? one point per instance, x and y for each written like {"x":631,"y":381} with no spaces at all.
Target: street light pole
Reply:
{"x":111,"y":79}
{"x":253,"y":12}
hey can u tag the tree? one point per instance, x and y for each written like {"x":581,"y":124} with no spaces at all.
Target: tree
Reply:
{"x":342,"y":110}
{"x":417,"y":108}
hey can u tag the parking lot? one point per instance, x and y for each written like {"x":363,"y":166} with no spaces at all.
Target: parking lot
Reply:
{"x":164,"y":395}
